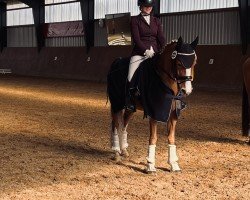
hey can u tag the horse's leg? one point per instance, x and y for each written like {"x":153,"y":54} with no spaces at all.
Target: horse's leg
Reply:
{"x":152,"y":145}
{"x":124,"y":134}
{"x":119,"y":134}
{"x":172,"y":155}
{"x":245,"y":112}
{"x":115,"y":143}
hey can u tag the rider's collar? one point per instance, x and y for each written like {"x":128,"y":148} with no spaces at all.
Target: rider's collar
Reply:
{"x":145,"y":14}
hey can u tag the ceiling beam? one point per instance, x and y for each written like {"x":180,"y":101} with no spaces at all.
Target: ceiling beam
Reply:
{"x":38,"y":8}
{"x":244,"y":7}
{"x":157,"y":8}
{"x":29,"y":3}
{"x":87,"y":8}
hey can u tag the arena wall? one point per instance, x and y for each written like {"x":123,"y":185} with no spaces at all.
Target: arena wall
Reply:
{"x":74,"y":63}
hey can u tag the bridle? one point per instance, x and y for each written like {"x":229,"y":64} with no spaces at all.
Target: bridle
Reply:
{"x":174,"y":75}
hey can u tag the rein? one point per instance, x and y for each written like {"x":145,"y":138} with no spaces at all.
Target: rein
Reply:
{"x":180,"y":93}
{"x":143,"y":58}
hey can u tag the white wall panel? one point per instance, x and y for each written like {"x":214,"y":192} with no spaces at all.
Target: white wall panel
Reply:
{"x":111,"y":7}
{"x":63,"y":12}
{"x":57,"y":1}
{"x":20,"y":17}
{"x":169,"y":6}
{"x":103,"y":7}
{"x":217,"y":28}
{"x":133,"y":8}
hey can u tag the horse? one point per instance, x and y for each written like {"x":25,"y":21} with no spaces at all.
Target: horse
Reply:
{"x":246,"y":99}
{"x":173,"y":72}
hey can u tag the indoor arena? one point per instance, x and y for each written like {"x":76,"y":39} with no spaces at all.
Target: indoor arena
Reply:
{"x":61,"y":134}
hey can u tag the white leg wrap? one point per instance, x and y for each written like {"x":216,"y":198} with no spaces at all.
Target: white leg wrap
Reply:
{"x":151,"y":154}
{"x":150,"y":167}
{"x":172,"y":158}
{"x":123,"y":135}
{"x":151,"y":159}
{"x":123,"y":139}
{"x":115,"y":141}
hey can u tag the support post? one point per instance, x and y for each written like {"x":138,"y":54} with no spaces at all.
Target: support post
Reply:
{"x":3,"y":25}
{"x":157,"y":8}
{"x":244,"y":8}
{"x":87,"y":8}
{"x":38,"y":8}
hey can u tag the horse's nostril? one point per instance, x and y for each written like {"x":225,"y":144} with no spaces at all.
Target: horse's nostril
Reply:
{"x":183,"y":90}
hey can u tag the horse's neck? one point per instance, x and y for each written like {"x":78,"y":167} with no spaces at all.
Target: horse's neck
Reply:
{"x":165,"y":68}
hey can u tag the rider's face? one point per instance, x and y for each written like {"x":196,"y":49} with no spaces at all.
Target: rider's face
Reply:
{"x":146,"y":9}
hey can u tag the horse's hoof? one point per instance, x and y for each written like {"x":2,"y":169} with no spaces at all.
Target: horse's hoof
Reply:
{"x":150,"y":168}
{"x":175,"y":171}
{"x":117,"y":157}
{"x":175,"y":168}
{"x":125,"y":153}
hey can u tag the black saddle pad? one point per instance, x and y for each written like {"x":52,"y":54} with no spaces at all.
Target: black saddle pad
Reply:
{"x":154,"y":94}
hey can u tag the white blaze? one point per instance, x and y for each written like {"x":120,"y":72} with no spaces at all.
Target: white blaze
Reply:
{"x":188,"y":84}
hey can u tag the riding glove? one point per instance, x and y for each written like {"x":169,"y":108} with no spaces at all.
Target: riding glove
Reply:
{"x":149,"y":53}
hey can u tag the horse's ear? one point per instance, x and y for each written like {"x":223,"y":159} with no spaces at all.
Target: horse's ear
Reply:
{"x":180,"y":41}
{"x":195,"y":42}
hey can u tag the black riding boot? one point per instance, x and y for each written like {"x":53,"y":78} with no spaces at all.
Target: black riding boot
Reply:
{"x":130,"y":105}
{"x":129,"y":101}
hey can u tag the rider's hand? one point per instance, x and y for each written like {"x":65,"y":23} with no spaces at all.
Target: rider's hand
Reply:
{"x":149,"y":53}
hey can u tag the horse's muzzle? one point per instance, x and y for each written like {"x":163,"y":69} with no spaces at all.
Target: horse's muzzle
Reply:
{"x":187,"y":90}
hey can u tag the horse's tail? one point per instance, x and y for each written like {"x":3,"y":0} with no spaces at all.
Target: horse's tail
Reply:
{"x":116,"y":82}
{"x":245,"y":111}
{"x":107,"y":98}
{"x":111,"y":70}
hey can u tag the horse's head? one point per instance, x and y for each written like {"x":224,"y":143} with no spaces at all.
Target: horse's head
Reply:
{"x":177,"y":61}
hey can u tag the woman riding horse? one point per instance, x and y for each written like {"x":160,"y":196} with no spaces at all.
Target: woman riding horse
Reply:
{"x":164,"y":83}
{"x":148,"y":40}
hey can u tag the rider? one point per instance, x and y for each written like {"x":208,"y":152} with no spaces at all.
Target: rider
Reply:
{"x":148,"y":38}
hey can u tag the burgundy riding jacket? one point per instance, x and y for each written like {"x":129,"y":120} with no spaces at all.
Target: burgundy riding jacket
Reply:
{"x":144,"y":35}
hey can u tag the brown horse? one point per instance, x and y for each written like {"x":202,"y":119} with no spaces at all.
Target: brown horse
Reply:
{"x":175,"y":70}
{"x":246,"y":99}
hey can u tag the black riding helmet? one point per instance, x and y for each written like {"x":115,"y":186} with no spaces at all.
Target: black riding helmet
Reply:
{"x":147,"y":3}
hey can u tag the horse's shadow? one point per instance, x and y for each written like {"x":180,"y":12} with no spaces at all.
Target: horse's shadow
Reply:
{"x":210,"y":138}
{"x":137,"y":169}
{"x":79,"y":149}
{"x":140,"y":169}
{"x":47,"y":159}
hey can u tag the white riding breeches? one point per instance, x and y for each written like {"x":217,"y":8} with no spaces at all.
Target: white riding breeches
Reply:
{"x":135,"y":61}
